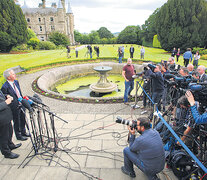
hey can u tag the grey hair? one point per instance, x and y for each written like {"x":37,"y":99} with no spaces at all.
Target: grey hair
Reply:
{"x":7,"y":73}
{"x":203,"y":67}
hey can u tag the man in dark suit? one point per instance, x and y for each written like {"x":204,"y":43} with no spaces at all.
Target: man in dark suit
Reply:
{"x":6,"y":131}
{"x":201,"y":70}
{"x":131,"y":50}
{"x":12,"y":88}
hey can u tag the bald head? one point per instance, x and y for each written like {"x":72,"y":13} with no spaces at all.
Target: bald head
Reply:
{"x":190,"y":67}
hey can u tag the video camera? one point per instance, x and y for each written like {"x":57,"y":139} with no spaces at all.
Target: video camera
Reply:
{"x":132,"y":124}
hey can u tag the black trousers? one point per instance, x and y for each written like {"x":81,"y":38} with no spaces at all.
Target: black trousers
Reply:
{"x":19,"y":122}
{"x":186,"y":62}
{"x":131,"y":54}
{"x":6,"y":132}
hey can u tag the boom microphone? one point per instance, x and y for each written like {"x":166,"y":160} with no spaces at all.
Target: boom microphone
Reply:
{"x":36,"y":100}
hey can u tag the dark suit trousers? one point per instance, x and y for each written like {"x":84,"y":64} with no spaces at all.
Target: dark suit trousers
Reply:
{"x":19,"y":122}
{"x":131,"y":54}
{"x":6,"y":133}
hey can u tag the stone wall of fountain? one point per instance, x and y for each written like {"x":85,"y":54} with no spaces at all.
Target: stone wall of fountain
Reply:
{"x":47,"y":80}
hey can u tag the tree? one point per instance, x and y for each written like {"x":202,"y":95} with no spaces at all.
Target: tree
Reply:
{"x":94,"y":37}
{"x":105,"y":33}
{"x":130,"y":35}
{"x":59,"y":38}
{"x":149,"y":28}
{"x":182,"y":23}
{"x":31,"y":33}
{"x":78,"y":36}
{"x":156,"y":42}
{"x":13,"y":26}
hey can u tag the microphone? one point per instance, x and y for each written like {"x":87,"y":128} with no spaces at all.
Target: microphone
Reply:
{"x":28,"y":99}
{"x":35,"y":100}
{"x":37,"y":97}
{"x":25,"y":103}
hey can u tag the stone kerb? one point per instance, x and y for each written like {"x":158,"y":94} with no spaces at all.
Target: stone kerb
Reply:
{"x":47,"y":80}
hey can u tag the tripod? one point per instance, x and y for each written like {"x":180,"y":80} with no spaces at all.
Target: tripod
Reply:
{"x":41,"y":140}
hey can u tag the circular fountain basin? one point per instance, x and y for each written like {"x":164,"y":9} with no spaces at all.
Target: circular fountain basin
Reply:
{"x":49,"y":80}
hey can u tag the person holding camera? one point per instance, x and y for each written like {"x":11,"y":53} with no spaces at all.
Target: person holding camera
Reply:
{"x":199,"y":119}
{"x":146,"y":151}
{"x":155,"y":74}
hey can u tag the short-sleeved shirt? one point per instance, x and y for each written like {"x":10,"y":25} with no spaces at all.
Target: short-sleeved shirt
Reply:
{"x":129,"y":71}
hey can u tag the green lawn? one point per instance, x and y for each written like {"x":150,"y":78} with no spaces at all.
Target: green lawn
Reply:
{"x":40,"y":58}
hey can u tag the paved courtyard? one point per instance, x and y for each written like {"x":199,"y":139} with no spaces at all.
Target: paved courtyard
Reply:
{"x":90,"y":145}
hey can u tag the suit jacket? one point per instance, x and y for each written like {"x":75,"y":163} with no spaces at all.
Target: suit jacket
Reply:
{"x":203,"y":78}
{"x":7,"y":89}
{"x":131,"y":49}
{"x":5,"y":111}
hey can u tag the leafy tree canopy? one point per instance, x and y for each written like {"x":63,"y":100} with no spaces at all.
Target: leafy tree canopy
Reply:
{"x":59,"y":38}
{"x":105,"y":33}
{"x":182,"y":24}
{"x":13,"y":26}
{"x":130,"y":35}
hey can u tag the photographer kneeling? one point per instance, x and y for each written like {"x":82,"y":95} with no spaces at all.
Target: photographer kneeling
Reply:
{"x":146,"y":151}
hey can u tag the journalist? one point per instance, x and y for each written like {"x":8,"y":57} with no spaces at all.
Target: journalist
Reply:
{"x":199,"y":119}
{"x":146,"y":151}
{"x":157,"y":84}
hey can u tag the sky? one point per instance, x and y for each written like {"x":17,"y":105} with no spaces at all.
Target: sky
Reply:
{"x":115,"y":15}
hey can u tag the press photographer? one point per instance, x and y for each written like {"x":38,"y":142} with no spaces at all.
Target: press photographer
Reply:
{"x":157,"y":83}
{"x":146,"y":151}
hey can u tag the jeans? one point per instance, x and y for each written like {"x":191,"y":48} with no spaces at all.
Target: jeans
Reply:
{"x":156,"y":98}
{"x":120,"y":59}
{"x":131,"y":158}
{"x":90,"y":54}
{"x":129,"y":86}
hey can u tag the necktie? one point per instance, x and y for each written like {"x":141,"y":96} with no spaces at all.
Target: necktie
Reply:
{"x":16,"y":90}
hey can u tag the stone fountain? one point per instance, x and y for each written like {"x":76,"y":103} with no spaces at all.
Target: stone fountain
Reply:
{"x":103,"y":85}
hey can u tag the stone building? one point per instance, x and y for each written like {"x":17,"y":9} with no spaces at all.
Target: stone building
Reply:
{"x":43,"y":20}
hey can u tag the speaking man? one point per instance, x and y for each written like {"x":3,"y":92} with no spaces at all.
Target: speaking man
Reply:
{"x":12,"y":88}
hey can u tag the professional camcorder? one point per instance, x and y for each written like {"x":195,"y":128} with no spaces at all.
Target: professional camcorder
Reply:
{"x":132,"y":124}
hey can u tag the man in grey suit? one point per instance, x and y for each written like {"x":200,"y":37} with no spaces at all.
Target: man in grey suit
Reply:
{"x":6,"y":130}
{"x":201,"y":70}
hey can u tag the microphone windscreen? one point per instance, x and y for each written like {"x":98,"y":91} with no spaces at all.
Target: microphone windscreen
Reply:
{"x":20,"y":99}
{"x":197,"y":87}
{"x":26,"y":104}
{"x":37,"y":97}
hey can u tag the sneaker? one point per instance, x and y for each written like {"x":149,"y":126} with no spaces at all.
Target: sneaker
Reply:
{"x":131,"y":174}
{"x":142,"y":107}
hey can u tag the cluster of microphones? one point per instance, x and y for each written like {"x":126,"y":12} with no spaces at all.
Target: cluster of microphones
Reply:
{"x":28,"y":102}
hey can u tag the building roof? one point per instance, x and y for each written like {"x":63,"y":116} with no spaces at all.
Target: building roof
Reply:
{"x":25,"y":5}
{"x":69,"y":10}
{"x":39,"y":10}
{"x":60,"y":6}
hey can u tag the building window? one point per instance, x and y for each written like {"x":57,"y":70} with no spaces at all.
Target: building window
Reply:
{"x":28,"y":19}
{"x":52,"y":28}
{"x":51,"y":19}
{"x":42,"y":38}
{"x":39,"y":19}
{"x":40,"y":28}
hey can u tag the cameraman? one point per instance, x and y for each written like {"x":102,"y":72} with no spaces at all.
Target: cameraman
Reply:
{"x":157,"y":83}
{"x":146,"y":151}
{"x":199,"y":119}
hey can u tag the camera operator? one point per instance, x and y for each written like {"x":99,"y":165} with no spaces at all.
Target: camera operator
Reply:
{"x":145,"y":151}
{"x":157,"y":84}
{"x":201,"y":70}
{"x":199,"y":119}
{"x":90,"y":50}
{"x":187,"y":122}
{"x":171,"y":64}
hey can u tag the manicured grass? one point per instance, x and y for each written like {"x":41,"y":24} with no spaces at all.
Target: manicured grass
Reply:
{"x":43,"y":58}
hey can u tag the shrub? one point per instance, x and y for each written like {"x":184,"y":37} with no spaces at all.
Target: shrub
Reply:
{"x":46,"y":45}
{"x":202,"y":51}
{"x":59,"y":38}
{"x":34,"y":42}
{"x":156,"y":42}
{"x":20,"y":47}
{"x":204,"y":57}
